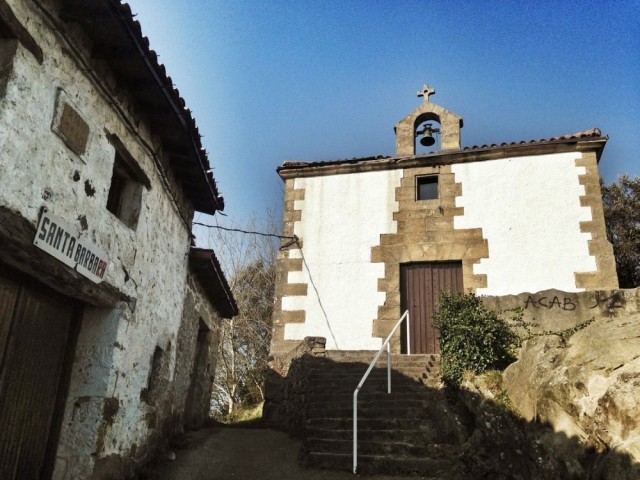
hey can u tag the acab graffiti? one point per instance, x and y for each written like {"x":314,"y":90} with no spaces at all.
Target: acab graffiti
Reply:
{"x":614,"y":300}
{"x":550,"y":302}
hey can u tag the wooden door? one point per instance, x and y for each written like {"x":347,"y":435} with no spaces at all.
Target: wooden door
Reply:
{"x":37,"y":337}
{"x":420,"y":287}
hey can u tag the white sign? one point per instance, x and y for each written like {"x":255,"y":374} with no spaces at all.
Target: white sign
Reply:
{"x":64,"y":242}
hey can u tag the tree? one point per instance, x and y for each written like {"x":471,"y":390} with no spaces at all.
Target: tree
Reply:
{"x":244,"y":339}
{"x":249,"y":261}
{"x":621,"y":202}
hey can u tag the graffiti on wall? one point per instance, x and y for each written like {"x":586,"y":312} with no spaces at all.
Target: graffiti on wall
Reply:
{"x":600,"y":299}
{"x":565,"y":303}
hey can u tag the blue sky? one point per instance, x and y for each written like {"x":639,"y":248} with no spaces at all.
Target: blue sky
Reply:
{"x":270,"y":81}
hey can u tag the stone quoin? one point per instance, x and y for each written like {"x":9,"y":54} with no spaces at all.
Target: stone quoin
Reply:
{"x":108,"y":312}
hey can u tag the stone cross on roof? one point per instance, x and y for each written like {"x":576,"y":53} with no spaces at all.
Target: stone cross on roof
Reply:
{"x":426,"y":91}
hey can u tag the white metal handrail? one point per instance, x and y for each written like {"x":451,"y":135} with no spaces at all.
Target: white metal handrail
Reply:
{"x":364,"y":378}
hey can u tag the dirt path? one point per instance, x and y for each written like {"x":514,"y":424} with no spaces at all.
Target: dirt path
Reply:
{"x":242,"y":453}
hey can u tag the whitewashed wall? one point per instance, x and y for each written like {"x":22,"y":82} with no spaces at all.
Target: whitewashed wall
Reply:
{"x":115,"y":346}
{"x":343,"y":216}
{"x":529,"y":211}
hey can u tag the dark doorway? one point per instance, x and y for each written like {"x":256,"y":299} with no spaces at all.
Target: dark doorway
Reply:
{"x":38,"y":330}
{"x":420,"y":287}
{"x":195,"y":409}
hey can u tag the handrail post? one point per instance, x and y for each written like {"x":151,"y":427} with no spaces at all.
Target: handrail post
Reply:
{"x":364,"y":377}
{"x":408,"y":335}
{"x":388,"y":368}
{"x":355,"y":431}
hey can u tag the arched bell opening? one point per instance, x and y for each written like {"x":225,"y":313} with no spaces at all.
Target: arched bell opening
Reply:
{"x":427,"y":133}
{"x":435,"y":128}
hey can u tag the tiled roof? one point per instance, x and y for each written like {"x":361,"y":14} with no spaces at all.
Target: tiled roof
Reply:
{"x":295,"y":164}
{"x":591,"y":133}
{"x":118,"y":40}
{"x":209,"y":273}
{"x":586,"y":134}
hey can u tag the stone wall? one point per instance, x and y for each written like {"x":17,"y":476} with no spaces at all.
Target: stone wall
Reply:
{"x":135,"y":335}
{"x":198,"y":339}
{"x":286,"y":262}
{"x":286,"y":384}
{"x":555,"y":310}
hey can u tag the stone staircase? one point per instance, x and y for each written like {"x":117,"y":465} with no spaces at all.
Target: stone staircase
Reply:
{"x":406,"y":432}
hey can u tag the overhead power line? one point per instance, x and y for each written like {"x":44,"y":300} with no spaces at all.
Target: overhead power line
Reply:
{"x":294,"y":238}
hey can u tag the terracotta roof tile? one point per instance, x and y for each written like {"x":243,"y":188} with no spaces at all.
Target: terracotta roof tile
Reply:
{"x":295,"y":164}
{"x":591,"y":133}
{"x":112,"y":27}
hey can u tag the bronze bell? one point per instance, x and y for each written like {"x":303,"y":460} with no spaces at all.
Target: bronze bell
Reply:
{"x":427,"y":135}
{"x":427,"y":138}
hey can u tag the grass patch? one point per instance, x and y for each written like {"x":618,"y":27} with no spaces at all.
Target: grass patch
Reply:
{"x":243,"y":416}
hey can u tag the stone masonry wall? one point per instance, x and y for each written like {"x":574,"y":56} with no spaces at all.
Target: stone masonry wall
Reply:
{"x":426,"y":233}
{"x":198,"y":340}
{"x":605,"y":276}
{"x":287,"y":383}
{"x":287,"y":262}
{"x":127,"y":347}
{"x":555,"y":310}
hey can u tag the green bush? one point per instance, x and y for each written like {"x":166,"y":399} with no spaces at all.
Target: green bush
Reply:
{"x":472,"y":337}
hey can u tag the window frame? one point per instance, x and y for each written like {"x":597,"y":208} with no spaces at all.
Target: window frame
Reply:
{"x":124,"y":199}
{"x":427,"y":180}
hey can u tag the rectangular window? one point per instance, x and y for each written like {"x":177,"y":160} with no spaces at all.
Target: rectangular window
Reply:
{"x":127,"y":180}
{"x":125,"y":194}
{"x":427,"y":188}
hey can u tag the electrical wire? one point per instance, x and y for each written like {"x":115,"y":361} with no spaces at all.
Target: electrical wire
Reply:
{"x":294,"y":238}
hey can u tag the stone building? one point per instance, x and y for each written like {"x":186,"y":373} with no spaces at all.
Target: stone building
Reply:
{"x":107,"y":310}
{"x":381,"y":235}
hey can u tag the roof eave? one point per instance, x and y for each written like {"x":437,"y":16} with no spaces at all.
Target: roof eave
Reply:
{"x":119,"y":42}
{"x":211,"y":278}
{"x":300,"y":169}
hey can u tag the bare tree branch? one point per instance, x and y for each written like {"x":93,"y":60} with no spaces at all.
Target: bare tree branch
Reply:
{"x":249,"y":262}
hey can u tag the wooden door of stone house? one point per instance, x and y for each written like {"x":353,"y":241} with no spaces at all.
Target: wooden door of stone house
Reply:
{"x":420,"y":287}
{"x":38,"y":330}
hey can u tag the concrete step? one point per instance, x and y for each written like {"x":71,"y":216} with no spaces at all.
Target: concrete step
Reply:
{"x":378,"y":384}
{"x":347,"y":397}
{"x":425,"y":436}
{"x":369,"y":447}
{"x":415,"y":412}
{"x":348,"y":380}
{"x":352,"y":381}
{"x":388,"y":401}
{"x":360,"y":369}
{"x":395,"y":433}
{"x":366,"y":356}
{"x":357,"y":374}
{"x":369,"y":464}
{"x":367,"y":423}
